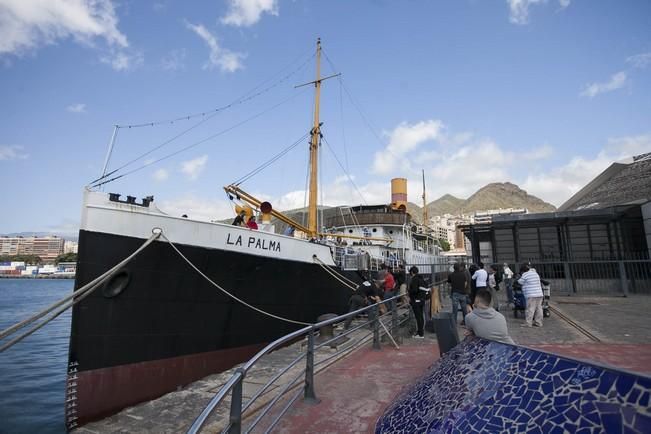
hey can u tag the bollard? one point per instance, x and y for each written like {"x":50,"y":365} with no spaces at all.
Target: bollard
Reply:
{"x":326,"y":332}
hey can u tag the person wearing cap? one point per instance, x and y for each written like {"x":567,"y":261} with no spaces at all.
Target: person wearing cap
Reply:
{"x":239,"y":219}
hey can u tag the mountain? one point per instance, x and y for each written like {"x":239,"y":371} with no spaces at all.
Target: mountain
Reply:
{"x":504,"y":195}
{"x":491,"y":196}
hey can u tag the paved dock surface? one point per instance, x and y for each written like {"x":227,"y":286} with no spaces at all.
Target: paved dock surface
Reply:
{"x":355,"y":390}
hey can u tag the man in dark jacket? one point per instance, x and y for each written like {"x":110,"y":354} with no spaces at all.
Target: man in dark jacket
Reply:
{"x":365,"y":294}
{"x":417,"y":299}
{"x":460,"y":291}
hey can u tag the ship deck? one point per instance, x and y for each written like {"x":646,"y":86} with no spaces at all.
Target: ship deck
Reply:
{"x":354,"y":391}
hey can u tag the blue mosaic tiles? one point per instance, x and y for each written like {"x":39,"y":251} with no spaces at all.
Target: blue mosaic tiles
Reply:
{"x":484,"y":386}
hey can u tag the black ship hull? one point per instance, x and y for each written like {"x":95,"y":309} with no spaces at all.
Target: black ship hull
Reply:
{"x":159,"y":325}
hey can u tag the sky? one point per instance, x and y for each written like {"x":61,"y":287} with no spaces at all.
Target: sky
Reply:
{"x":542,"y":93}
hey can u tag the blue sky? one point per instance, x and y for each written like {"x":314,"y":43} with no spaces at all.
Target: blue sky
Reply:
{"x":545,"y":94}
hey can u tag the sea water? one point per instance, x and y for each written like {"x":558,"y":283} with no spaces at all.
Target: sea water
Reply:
{"x":33,"y":372}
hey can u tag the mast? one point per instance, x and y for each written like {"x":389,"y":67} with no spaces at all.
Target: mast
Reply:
{"x":314,"y":148}
{"x":424,"y":202}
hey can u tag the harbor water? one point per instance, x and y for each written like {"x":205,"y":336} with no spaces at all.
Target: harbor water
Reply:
{"x":33,"y":372}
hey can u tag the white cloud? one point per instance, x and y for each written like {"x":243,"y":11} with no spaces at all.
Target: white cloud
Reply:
{"x":617,"y":81}
{"x":222,"y":58}
{"x":248,"y":12}
{"x":77,"y":108}
{"x":403,"y":139}
{"x":26,"y":25}
{"x":629,"y":146}
{"x":174,"y":60}
{"x":519,"y":10}
{"x":123,"y":60}
{"x":640,"y":60}
{"x":559,"y":184}
{"x":564,"y":3}
{"x":541,"y":153}
{"x":12,"y":152}
{"x":193,"y":168}
{"x":161,"y":175}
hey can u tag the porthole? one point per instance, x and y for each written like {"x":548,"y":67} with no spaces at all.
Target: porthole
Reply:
{"x":374,"y":229}
{"x":116,"y":284}
{"x":350,"y":231}
{"x":391,"y":232}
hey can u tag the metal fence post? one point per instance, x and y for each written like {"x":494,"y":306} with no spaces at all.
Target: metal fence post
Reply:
{"x":236,"y":406}
{"x":309,"y":396}
{"x":623,"y":278}
{"x":376,"y":327}
{"x":394,"y":322}
{"x":568,"y":277}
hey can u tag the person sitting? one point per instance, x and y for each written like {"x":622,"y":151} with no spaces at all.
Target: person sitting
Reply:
{"x":485,"y":322}
{"x":251,"y":224}
{"x":289,"y":231}
{"x":239,"y":219}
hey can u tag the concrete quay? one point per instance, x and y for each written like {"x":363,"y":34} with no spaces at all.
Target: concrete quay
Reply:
{"x":354,"y":390}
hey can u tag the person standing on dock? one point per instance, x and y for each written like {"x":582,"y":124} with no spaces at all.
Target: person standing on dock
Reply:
{"x":460,"y":290}
{"x":507,"y":277}
{"x":480,"y":280}
{"x":417,"y":299}
{"x":532,"y":291}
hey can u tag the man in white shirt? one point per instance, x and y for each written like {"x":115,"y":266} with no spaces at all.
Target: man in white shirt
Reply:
{"x":480,"y":277}
{"x":532,"y":291}
{"x":507,"y":277}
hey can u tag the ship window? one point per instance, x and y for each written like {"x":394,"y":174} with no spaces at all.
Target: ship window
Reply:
{"x":350,"y":231}
{"x":390,"y":232}
{"x":374,"y":229}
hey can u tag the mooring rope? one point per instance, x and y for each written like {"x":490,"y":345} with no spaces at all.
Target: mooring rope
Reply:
{"x":336,"y":275}
{"x":76,"y":297}
{"x":228,"y":293}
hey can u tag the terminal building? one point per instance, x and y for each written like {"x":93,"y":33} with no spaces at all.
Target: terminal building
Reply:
{"x":602,"y":232}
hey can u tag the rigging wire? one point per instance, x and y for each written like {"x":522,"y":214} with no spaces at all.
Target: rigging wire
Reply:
{"x":213,"y":112}
{"x":345,"y":171}
{"x":247,"y":96}
{"x":269,"y":162}
{"x":257,"y":115}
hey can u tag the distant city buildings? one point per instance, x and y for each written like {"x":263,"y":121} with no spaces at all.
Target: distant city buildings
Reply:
{"x":446,"y":227}
{"x":70,"y":247}
{"x":47,"y":248}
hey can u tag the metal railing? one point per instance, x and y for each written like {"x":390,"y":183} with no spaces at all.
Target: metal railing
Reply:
{"x":235,"y":384}
{"x":596,"y":277}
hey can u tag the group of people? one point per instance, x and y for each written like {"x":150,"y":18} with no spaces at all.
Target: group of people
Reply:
{"x":241,"y":220}
{"x":390,"y":283}
{"x":474,"y":292}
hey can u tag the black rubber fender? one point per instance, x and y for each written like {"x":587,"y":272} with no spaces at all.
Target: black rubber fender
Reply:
{"x":117,"y":283}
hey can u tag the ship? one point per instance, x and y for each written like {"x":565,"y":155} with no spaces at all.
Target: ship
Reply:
{"x":210,"y":295}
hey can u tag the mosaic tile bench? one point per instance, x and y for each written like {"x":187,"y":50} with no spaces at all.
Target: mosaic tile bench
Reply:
{"x":484,"y":386}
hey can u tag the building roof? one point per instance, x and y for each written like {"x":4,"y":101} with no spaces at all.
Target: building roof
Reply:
{"x":623,"y":182}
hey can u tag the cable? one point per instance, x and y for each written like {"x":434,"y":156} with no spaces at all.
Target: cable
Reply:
{"x":342,"y":168}
{"x":270,"y":161}
{"x":80,"y":294}
{"x":216,"y":111}
{"x":202,"y":140}
{"x":228,"y":293}
{"x":247,"y":96}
